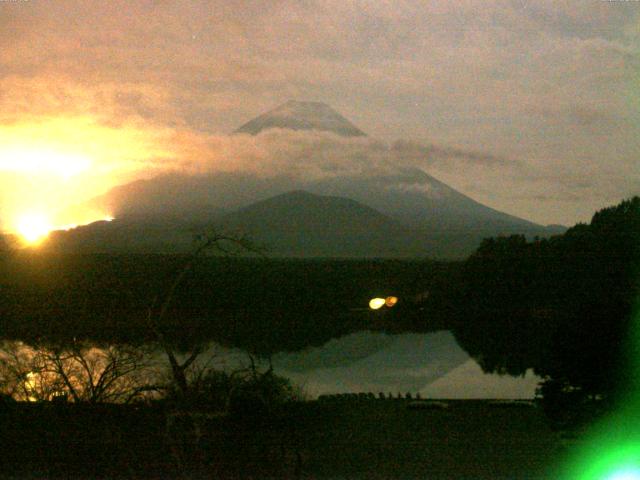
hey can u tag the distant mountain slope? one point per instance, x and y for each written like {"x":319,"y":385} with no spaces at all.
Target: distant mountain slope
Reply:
{"x":129,"y":234}
{"x":374,"y":362}
{"x":450,"y":224}
{"x":293,"y":224}
{"x":194,"y":196}
{"x":419,"y":200}
{"x":468,"y":381}
{"x":402,"y":206}
{"x":301,"y":224}
{"x":295,"y":115}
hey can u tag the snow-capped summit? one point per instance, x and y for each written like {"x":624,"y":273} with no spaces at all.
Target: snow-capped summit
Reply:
{"x":296,"y":115}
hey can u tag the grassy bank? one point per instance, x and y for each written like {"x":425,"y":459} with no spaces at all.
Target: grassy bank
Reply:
{"x":358,"y":438}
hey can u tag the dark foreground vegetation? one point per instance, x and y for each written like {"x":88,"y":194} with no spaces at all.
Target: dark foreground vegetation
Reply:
{"x":261,"y":305}
{"x":353,"y":439}
{"x":562,"y":306}
{"x":566,"y":307}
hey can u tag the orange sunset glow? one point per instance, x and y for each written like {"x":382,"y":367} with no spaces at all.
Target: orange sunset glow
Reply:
{"x":33,"y":227}
{"x":350,"y":239}
{"x":50,"y":168}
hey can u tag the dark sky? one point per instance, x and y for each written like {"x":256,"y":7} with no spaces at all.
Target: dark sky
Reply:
{"x":531,"y":107}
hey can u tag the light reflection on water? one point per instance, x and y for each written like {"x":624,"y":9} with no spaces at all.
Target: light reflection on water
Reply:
{"x":430,"y":364}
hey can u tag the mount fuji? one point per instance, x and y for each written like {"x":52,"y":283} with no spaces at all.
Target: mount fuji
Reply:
{"x":295,"y":115}
{"x":403,"y":213}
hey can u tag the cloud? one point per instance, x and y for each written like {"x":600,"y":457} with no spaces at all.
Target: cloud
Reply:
{"x":314,"y":155}
{"x":214,"y":59}
{"x":587,"y":117}
{"x":492,"y":89}
{"x":442,"y":155}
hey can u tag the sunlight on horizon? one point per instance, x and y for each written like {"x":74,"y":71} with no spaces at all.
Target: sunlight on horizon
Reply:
{"x":51,"y":166}
{"x":34,"y":228}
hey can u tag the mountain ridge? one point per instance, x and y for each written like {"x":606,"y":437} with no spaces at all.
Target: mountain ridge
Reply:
{"x":406,"y":203}
{"x":303,"y":224}
{"x":296,"y":223}
{"x":297,"y":115}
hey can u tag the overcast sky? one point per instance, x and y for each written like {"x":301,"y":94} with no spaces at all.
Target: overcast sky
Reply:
{"x":531,"y":107}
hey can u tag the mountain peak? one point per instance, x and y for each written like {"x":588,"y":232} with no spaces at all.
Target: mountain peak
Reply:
{"x":296,"y":115}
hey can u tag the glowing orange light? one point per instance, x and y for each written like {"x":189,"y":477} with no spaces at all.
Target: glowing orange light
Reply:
{"x":56,"y":164}
{"x":391,"y":301}
{"x":33,"y":227}
{"x":376,"y":303}
{"x":43,"y":161}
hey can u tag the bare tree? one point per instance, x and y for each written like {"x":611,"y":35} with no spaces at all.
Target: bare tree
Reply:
{"x":116,"y":373}
{"x":119,"y":373}
{"x":220,"y":243}
{"x":16,"y":372}
{"x":79,"y":372}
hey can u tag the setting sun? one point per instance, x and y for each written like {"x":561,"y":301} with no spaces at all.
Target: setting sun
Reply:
{"x":33,"y":227}
{"x":53,"y":166}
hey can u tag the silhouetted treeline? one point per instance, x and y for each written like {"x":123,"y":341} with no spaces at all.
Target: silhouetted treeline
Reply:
{"x":263,"y":305}
{"x":563,"y":306}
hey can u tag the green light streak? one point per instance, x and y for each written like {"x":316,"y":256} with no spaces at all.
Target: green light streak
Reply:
{"x":631,"y":474}
{"x":612,"y":449}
